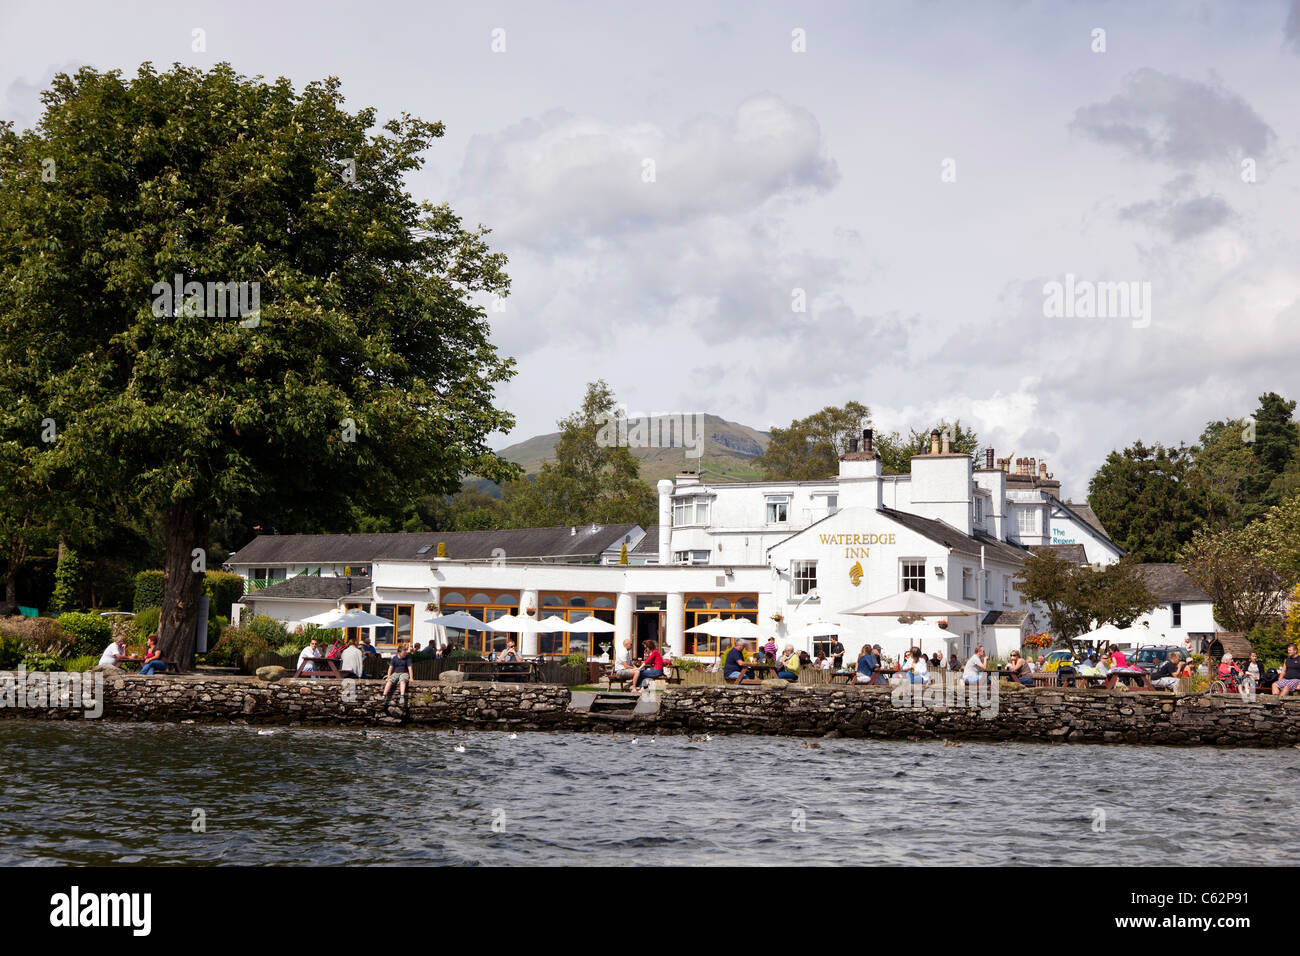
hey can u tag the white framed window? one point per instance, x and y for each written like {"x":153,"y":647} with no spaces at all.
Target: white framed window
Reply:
{"x":1027,"y":521}
{"x":913,"y":575}
{"x":988,"y":588}
{"x":832,"y":504}
{"x":803,"y":578}
{"x":687,"y":511}
{"x":1006,"y":589}
{"x":979,"y":510}
{"x":690,"y":557}
{"x":778,"y":509}
{"x":968,"y":585}
{"x":1176,"y":613}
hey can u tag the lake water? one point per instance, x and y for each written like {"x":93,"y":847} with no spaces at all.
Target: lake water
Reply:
{"x":98,"y":793}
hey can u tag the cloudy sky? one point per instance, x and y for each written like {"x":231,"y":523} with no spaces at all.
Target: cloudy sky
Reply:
{"x":668,"y":179}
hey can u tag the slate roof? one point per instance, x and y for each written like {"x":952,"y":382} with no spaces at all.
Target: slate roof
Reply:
{"x":1074,"y":553}
{"x":1005,"y":618}
{"x":308,"y":587}
{"x":950,"y":537}
{"x":519,"y":544}
{"x":1090,"y":517}
{"x":649,"y":544}
{"x":1169,"y":582}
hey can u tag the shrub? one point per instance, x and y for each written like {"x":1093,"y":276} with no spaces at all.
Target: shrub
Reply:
{"x":268,"y":629}
{"x":464,"y":654}
{"x":89,"y":633}
{"x":1269,"y":641}
{"x":576,"y":659}
{"x":148,"y":590}
{"x":215,"y":626}
{"x":236,"y":646}
{"x":146,"y":622}
{"x":223,"y":589}
{"x":44,"y":662}
{"x":67,"y":582}
{"x":287,"y":649}
{"x":688,"y":664}
{"x":84,"y":663}
{"x":38,"y":635}
{"x":11,"y":652}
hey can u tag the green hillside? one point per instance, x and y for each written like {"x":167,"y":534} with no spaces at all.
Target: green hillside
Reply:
{"x":729,"y":450}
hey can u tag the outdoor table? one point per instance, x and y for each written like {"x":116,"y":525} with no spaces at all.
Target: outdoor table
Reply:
{"x":138,"y":661}
{"x":330,"y":668}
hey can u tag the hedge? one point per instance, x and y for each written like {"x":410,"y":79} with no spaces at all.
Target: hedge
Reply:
{"x":223,"y":589}
{"x":90,"y":633}
{"x":148,"y":590}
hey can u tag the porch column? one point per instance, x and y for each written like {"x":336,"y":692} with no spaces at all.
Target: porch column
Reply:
{"x":675,"y":626}
{"x":529,"y":645}
{"x":624,"y":612}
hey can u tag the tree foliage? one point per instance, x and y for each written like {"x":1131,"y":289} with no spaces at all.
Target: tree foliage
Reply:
{"x":1228,"y":566}
{"x":369,"y":374}
{"x":1142,"y":497}
{"x":809,"y":449}
{"x":1080,"y":598}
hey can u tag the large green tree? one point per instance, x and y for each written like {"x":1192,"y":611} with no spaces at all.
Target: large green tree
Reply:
{"x":593,"y":478}
{"x":809,"y":449}
{"x":368,"y":372}
{"x":1275,"y":446}
{"x":1080,"y":597}
{"x":1142,"y":497}
{"x":1215,"y":481}
{"x":896,"y":452}
{"x":1234,"y":567}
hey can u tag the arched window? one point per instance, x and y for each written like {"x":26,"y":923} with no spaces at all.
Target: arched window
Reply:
{"x":721,"y":604}
{"x":480,"y":599}
{"x":452,"y":597}
{"x":602,"y":602}
{"x":507,"y":599}
{"x":748,"y":604}
{"x":696,"y":603}
{"x":577,"y":602}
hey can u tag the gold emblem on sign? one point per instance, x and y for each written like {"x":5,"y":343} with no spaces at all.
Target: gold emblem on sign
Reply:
{"x":855,"y":573}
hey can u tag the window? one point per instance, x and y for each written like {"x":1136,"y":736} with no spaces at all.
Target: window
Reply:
{"x":690,"y":557}
{"x":822,"y":644}
{"x":988,"y":588}
{"x":1006,"y":589}
{"x":778,"y":509}
{"x":399,"y":632}
{"x":803,"y":575}
{"x":968,"y":584}
{"x":1027,"y":521}
{"x":701,"y":608}
{"x":832,"y":504}
{"x":688,"y":511}
{"x":979,"y":510}
{"x":1176,"y":609}
{"x":914,"y":576}
{"x":486,"y":608}
{"x":574,"y":607}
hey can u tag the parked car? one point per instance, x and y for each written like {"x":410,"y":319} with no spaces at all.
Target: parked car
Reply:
{"x":1150,"y":658}
{"x":1060,"y":654}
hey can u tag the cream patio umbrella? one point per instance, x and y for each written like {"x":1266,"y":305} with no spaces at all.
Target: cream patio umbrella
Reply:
{"x":911,"y":602}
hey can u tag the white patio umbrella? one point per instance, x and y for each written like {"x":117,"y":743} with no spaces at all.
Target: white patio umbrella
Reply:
{"x":737,"y":627}
{"x":461,"y":620}
{"x":816,"y":629}
{"x":910,"y":602}
{"x":354,"y":618}
{"x":709,"y":627}
{"x":526,"y":625}
{"x":589,"y":624}
{"x":1111,"y":634}
{"x":917,"y":634}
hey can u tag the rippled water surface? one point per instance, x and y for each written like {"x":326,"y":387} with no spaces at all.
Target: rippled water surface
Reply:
{"x":117,"y":793}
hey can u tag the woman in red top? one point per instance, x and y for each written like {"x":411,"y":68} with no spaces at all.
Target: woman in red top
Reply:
{"x":651,"y":667}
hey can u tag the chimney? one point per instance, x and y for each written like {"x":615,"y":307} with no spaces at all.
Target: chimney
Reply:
{"x":988,"y":458}
{"x":934,"y":442}
{"x":1033,"y":467}
{"x":947,"y":447}
{"x":866,"y":441}
{"x":853,"y":444}
{"x":1042,"y":470}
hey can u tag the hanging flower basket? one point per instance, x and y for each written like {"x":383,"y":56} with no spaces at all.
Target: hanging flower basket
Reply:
{"x":943,"y":624}
{"x":431,"y":607}
{"x":778,"y":617}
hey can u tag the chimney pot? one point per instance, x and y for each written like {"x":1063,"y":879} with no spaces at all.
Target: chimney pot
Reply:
{"x":1042,"y":469}
{"x":947,"y":442}
{"x":934,"y":442}
{"x":853,"y":444}
{"x":866,"y":441}
{"x":988,"y":458}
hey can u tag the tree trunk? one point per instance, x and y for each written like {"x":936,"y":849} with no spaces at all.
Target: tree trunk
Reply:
{"x":184,"y":529}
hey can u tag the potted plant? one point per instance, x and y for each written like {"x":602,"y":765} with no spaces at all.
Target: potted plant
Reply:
{"x":432,"y":606}
{"x":942,"y":624}
{"x":778,"y":617}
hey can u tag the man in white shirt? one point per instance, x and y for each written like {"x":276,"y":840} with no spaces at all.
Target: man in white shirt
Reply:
{"x":624,"y":669}
{"x":312,"y":650}
{"x":111,"y":653}
{"x":353,"y":658}
{"x":974,"y":668}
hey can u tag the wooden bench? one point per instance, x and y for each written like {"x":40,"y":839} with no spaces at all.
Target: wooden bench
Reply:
{"x":505,"y":671}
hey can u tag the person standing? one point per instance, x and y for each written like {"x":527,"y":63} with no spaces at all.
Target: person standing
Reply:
{"x":837,"y":655}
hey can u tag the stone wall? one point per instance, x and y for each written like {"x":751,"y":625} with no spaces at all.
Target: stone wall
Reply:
{"x":1046,"y":714}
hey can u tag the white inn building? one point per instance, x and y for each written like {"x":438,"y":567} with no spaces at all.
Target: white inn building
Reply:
{"x":781,"y":554}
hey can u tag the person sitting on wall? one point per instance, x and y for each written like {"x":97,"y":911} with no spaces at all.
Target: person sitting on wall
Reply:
{"x":651,"y":668}
{"x":1289,"y":679}
{"x":399,"y":672}
{"x":732,"y":666}
{"x":153,"y":659}
{"x":789,"y":664}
